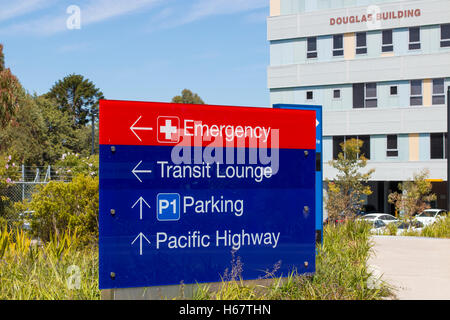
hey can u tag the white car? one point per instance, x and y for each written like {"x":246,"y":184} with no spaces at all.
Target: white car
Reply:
{"x":373,"y":217}
{"x":378,"y":226}
{"x":430,"y":216}
{"x":403,"y":227}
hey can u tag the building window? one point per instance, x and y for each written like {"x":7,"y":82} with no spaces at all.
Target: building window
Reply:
{"x":394,"y":90}
{"x":445,"y":35}
{"x":387,"y":45}
{"x":312,"y":48}
{"x":365,"y":149}
{"x":414,"y":38}
{"x":438,"y":91}
{"x":416,"y":93}
{"x":371,"y":95}
{"x":309,"y":95}
{"x":438,"y":145}
{"x":336,"y":94}
{"x":338,"y":45}
{"x":365,"y":95}
{"x":361,"y":42}
{"x":392,"y":146}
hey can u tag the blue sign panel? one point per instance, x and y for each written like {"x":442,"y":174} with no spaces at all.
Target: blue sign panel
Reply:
{"x":319,"y":164}
{"x":167,"y":218}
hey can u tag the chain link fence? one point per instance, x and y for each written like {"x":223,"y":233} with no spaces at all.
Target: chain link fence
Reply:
{"x":31,"y":177}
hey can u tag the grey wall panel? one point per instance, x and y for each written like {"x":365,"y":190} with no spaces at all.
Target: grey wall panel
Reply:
{"x":424,"y":66}
{"x":385,"y":121}
{"x":398,"y":171}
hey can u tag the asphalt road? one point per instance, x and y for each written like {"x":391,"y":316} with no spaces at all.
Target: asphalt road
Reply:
{"x":419,"y":268}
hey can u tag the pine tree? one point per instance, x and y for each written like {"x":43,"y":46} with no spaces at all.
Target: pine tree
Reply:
{"x":78,"y":97}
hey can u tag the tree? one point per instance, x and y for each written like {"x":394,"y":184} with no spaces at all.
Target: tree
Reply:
{"x":10,"y":89}
{"x":78,"y":97}
{"x":40,"y":133}
{"x":188,"y":97}
{"x":345,"y":192}
{"x":415,"y":197}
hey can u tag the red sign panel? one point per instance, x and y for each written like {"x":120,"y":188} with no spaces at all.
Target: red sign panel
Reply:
{"x":153,"y":124}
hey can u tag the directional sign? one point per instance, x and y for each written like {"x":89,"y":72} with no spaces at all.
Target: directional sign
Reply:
{"x":319,"y":164}
{"x":186,"y":190}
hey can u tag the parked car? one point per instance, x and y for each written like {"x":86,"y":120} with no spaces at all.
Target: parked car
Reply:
{"x":430,"y":216}
{"x":403,"y":226}
{"x":386,"y":218}
{"x":378,"y":226}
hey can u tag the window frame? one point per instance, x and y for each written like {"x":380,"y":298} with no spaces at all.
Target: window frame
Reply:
{"x":414,"y":45}
{"x":338,"y":51}
{"x":365,"y":97}
{"x":396,"y":91}
{"x":445,"y":42}
{"x":444,"y":154}
{"x":415,"y":96}
{"x":361,"y":49}
{"x":371,"y":98}
{"x":334,"y":94}
{"x":438,"y":95}
{"x":343,"y":139}
{"x":389,"y":149}
{"x":387,"y":46}
{"x":311,"y":54}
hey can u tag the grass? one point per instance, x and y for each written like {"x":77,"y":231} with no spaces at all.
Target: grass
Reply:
{"x":58,"y":270}
{"x":341,"y":273}
{"x":439,"y":229}
{"x":48,"y":272}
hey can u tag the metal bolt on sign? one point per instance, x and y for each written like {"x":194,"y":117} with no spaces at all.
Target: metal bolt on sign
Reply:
{"x":113,"y":212}
{"x":113,"y":149}
{"x":306,"y":153}
{"x":112,"y":275}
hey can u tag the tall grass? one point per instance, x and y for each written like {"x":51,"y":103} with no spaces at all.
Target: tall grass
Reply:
{"x":341,"y":273}
{"x":439,"y":229}
{"x":51,"y":270}
{"x":57,"y":270}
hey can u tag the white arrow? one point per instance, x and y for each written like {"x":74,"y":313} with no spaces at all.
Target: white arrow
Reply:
{"x":140,"y":205}
{"x":134,"y":171}
{"x":317,"y":123}
{"x":140,"y":236}
{"x":133,"y":128}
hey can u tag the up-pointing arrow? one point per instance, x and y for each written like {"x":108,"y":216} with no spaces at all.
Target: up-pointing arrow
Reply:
{"x":134,"y":129}
{"x":140,"y":236}
{"x":140,"y":201}
{"x":135,"y":171}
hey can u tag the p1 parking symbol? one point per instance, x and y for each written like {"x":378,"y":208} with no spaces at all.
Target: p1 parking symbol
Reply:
{"x":168,"y":207}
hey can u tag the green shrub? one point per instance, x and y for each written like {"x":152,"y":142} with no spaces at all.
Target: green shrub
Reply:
{"x":57,"y":270}
{"x":61,"y":206}
{"x":439,"y":229}
{"x":341,"y":273}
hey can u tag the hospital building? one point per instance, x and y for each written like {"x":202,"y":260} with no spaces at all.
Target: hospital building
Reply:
{"x":380,"y":69}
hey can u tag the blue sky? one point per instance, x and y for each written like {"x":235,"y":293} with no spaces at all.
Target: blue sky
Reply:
{"x":145,"y":50}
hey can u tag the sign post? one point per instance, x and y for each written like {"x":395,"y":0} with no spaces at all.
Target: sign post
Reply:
{"x":192,"y":193}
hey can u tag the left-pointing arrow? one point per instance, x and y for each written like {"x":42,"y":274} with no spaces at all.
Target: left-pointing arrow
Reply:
{"x":140,"y":236}
{"x":135,"y":171}
{"x":134,"y":129}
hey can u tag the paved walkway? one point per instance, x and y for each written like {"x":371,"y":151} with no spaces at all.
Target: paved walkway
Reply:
{"x":418,"y":267}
